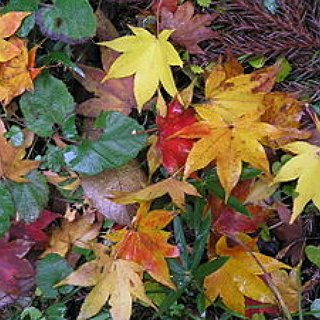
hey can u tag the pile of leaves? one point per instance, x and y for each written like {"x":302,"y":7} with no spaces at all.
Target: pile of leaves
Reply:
{"x":156,"y":160}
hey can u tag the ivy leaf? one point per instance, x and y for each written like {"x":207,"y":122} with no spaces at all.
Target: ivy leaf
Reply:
{"x":116,"y":146}
{"x":49,"y":104}
{"x":6,"y":208}
{"x":70,"y":21}
{"x":30,"y":197}
{"x":141,"y":52}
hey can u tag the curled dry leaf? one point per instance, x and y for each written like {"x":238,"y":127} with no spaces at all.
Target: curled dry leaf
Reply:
{"x":128,"y":178}
{"x":239,"y":277}
{"x":9,"y":24}
{"x":116,"y":281}
{"x":175,"y":188}
{"x":189,"y":28}
{"x":79,"y":231}
{"x":146,"y":243}
{"x":12,"y":164}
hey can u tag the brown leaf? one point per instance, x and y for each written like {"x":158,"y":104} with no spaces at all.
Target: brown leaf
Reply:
{"x":113,"y":94}
{"x":189,"y":28}
{"x":128,"y":178}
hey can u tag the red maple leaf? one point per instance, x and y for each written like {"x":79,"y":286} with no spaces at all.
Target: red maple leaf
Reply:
{"x":171,"y":5}
{"x":174,"y":151}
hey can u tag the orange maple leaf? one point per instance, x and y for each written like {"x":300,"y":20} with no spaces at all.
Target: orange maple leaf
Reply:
{"x":146,"y":243}
{"x":9,"y":24}
{"x":239,"y":276}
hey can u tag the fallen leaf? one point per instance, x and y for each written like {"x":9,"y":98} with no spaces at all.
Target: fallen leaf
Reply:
{"x":175,"y":188}
{"x":33,"y":232}
{"x":146,"y":243}
{"x":16,"y":75}
{"x":285,"y":112}
{"x":305,"y":167}
{"x":9,"y":24}
{"x":128,"y":178}
{"x":141,"y":52}
{"x":171,"y":5}
{"x":189,"y":28}
{"x":239,"y":276}
{"x":113,"y":94}
{"x":174,"y":151}
{"x":229,"y":143}
{"x":227,"y":221}
{"x":14,"y":268}
{"x":12,"y":165}
{"x":79,"y":232}
{"x":116,"y":281}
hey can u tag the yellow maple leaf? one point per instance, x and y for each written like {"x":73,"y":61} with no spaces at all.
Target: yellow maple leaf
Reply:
{"x":147,"y":57}
{"x":239,"y":276}
{"x":305,"y":167}
{"x":229,"y":143}
{"x":9,"y":24}
{"x":175,"y":188}
{"x":116,"y":281}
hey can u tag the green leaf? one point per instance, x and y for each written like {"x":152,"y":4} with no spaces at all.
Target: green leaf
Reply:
{"x":51,"y":270}
{"x":49,"y":104}
{"x":31,"y":313}
{"x":257,"y":62}
{"x":285,"y":69}
{"x":56,"y":311}
{"x":16,"y":136}
{"x":30,"y":197}
{"x":117,"y":145}
{"x":313,"y":254}
{"x":204,"y":3}
{"x":6,"y":208}
{"x":24,"y":5}
{"x":69,"y":21}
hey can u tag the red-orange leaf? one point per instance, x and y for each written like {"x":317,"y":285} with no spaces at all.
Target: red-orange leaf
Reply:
{"x":146,"y":243}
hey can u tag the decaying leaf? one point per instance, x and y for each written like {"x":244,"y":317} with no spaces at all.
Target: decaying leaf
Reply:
{"x":229,"y":143}
{"x":128,"y":178}
{"x":239,"y":276}
{"x":146,"y":243}
{"x":9,"y":24}
{"x":141,"y":52}
{"x":305,"y":167}
{"x":116,"y":282}
{"x":12,"y":164}
{"x":77,"y":231}
{"x":175,"y":188}
{"x":189,"y":28}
